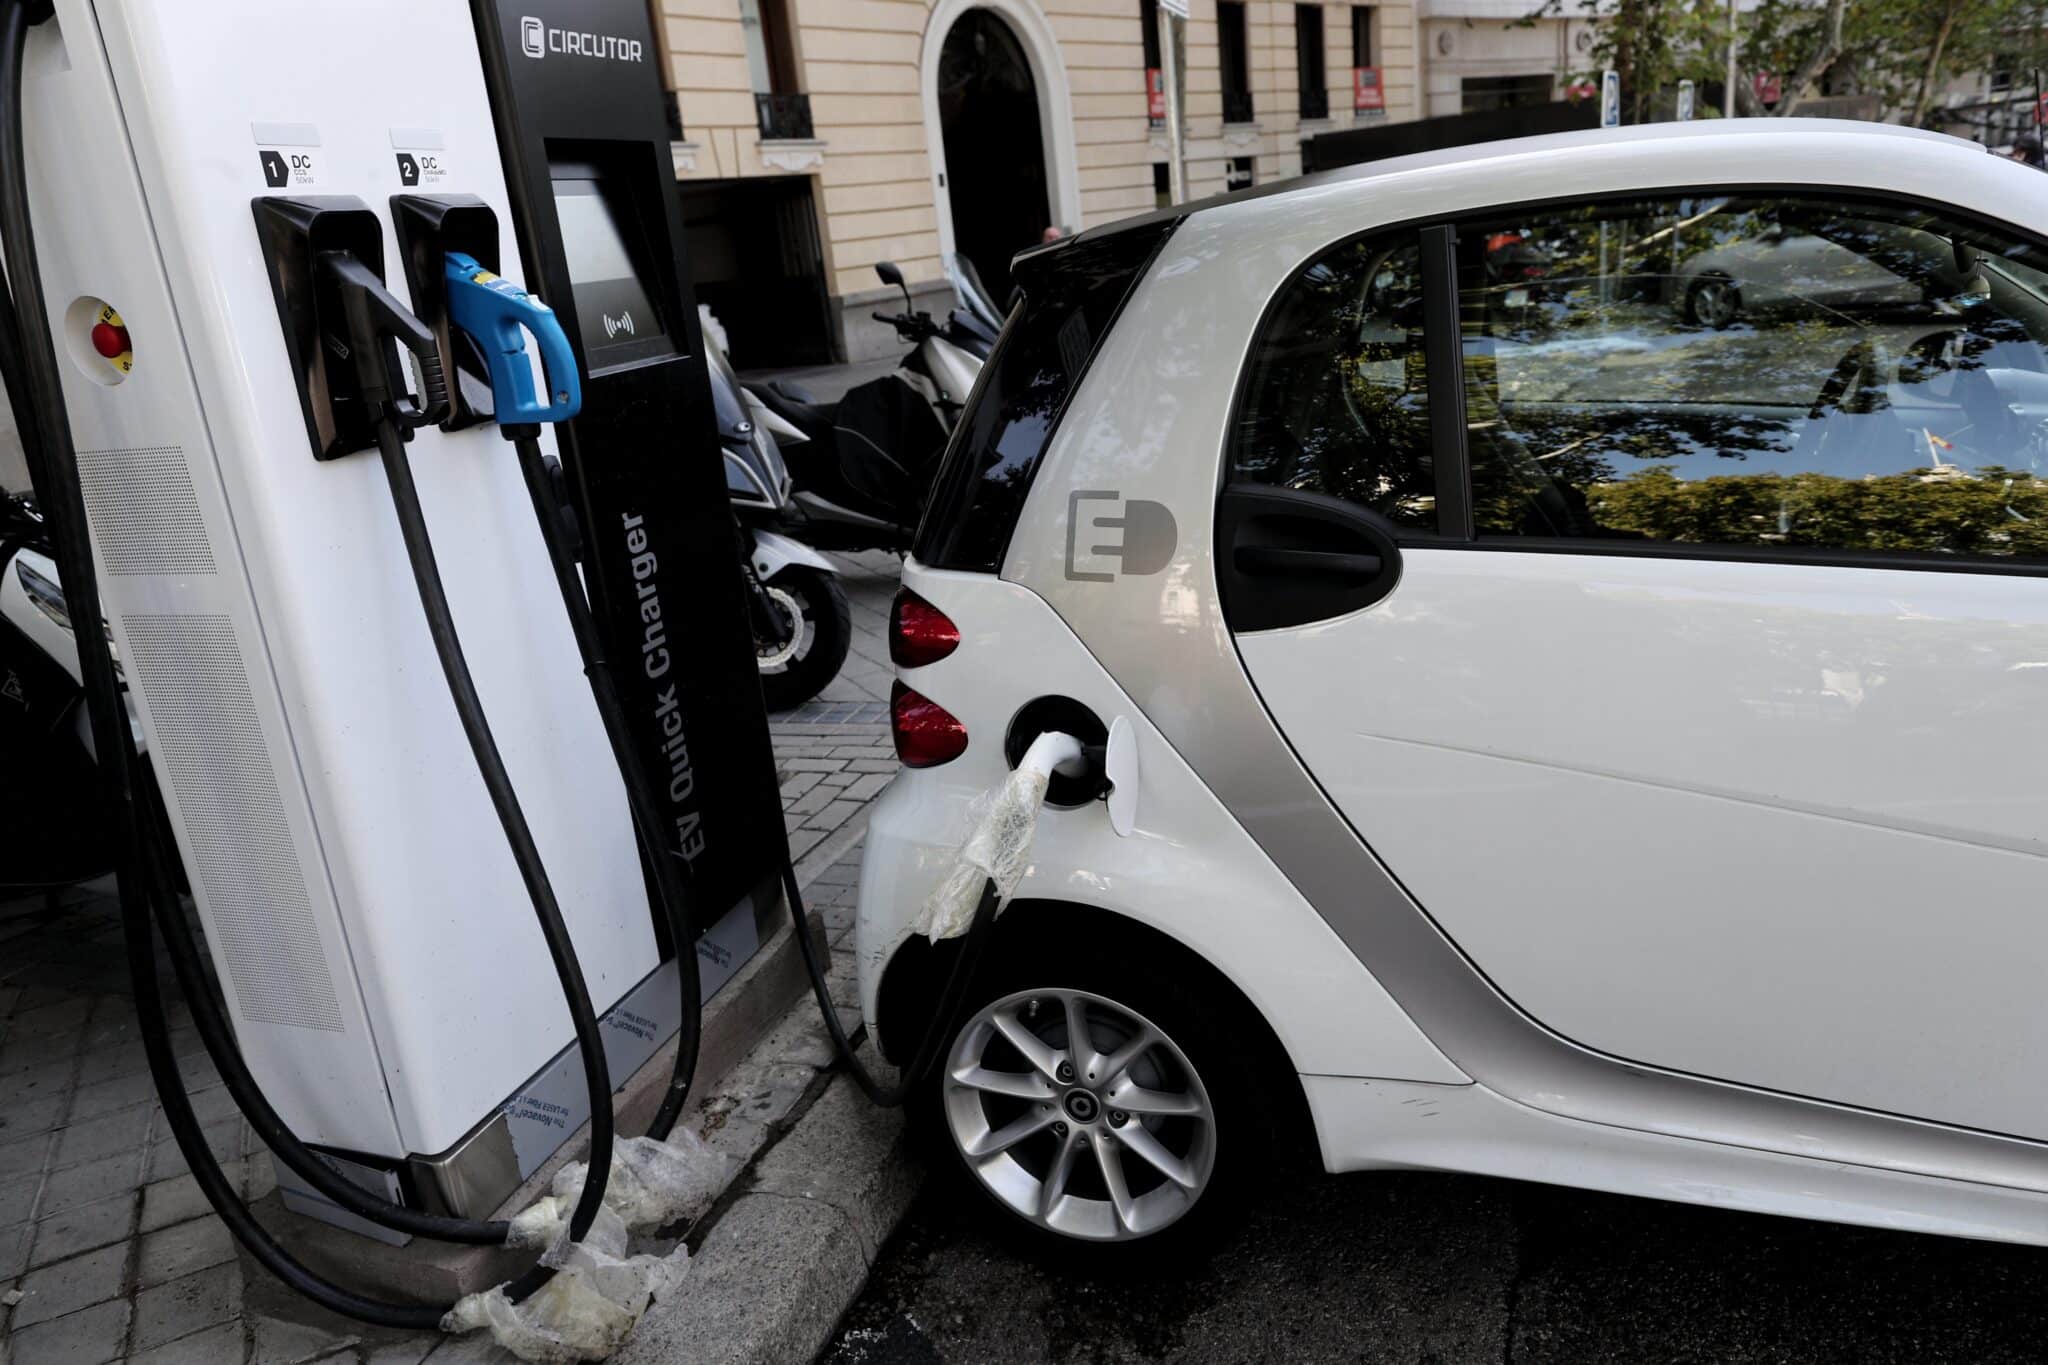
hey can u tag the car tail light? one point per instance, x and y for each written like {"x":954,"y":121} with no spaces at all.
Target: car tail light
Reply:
{"x":919,"y":633}
{"x":926,"y":733}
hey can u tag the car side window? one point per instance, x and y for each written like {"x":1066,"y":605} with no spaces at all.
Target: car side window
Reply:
{"x":1727,"y":369}
{"x":1335,"y":399}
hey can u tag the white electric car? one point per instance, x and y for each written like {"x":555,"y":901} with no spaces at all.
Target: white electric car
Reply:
{"x":1554,"y":737}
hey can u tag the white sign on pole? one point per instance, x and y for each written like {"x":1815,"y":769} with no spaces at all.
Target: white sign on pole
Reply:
{"x":1684,"y":100}
{"x":1610,"y":99}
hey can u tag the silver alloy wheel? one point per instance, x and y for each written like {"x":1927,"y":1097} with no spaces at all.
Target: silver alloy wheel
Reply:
{"x":781,"y":656}
{"x":1714,"y":301}
{"x":1079,"y":1114}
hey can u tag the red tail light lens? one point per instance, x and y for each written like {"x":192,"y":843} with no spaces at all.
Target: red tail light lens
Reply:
{"x":926,"y":733}
{"x":919,"y":633}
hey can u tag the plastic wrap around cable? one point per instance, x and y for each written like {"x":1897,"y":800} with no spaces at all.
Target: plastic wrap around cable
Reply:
{"x":998,"y":845}
{"x":599,"y":1292}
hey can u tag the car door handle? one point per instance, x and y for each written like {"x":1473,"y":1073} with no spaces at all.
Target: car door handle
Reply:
{"x":1288,"y":559}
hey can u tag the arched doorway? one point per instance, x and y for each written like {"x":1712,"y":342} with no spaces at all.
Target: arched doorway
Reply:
{"x":992,"y":126}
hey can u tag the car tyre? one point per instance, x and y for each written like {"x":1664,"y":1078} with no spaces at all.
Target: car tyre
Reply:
{"x":1713,"y":300}
{"x":1001,"y":1114}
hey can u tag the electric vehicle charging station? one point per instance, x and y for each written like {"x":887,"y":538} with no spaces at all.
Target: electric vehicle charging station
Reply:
{"x":363,"y":914}
{"x":248,"y":214}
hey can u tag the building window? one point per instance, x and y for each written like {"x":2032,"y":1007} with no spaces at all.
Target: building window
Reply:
{"x":1232,"y":54}
{"x":1162,"y":186}
{"x":1309,"y":63}
{"x":783,"y":111}
{"x":1155,"y":90}
{"x":1483,"y":93}
{"x":1361,"y":36}
{"x":1237,"y":174}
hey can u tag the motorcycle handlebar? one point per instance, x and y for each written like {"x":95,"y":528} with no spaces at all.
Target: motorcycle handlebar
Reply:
{"x":915,"y":326}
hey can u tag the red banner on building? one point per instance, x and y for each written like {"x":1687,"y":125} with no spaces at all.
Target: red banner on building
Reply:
{"x":1366,"y":91}
{"x":1155,"y":95}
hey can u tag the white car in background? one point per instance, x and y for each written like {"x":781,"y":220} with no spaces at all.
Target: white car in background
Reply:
{"x":1560,"y":742}
{"x":1782,"y":268}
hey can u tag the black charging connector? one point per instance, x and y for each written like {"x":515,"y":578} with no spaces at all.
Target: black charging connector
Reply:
{"x":368,"y":326}
{"x":429,"y":227}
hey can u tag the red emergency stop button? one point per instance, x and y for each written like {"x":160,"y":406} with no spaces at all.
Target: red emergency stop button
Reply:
{"x":110,"y":339}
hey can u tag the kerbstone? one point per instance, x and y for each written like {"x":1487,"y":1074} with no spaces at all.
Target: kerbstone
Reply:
{"x":765,"y":1288}
{"x":851,"y":1155}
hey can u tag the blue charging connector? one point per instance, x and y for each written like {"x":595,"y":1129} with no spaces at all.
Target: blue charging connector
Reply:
{"x":498,"y":313}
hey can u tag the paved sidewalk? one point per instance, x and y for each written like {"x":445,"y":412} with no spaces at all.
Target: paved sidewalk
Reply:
{"x":107,"y":1249}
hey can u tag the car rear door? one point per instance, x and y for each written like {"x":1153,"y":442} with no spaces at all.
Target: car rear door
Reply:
{"x":1694,"y":682}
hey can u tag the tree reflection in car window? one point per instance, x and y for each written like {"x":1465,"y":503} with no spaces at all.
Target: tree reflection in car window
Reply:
{"x":1745,"y":370}
{"x":1337,"y":400}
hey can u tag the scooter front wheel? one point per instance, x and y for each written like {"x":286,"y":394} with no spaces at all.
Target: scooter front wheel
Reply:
{"x":813,"y":607}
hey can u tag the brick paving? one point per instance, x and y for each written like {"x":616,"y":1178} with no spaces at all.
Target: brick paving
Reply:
{"x":107,"y":1249}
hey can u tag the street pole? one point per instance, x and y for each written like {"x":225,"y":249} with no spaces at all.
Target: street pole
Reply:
{"x":1728,"y":90}
{"x":1169,"y":73}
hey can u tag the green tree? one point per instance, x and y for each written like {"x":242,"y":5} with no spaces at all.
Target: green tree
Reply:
{"x":1902,"y":51}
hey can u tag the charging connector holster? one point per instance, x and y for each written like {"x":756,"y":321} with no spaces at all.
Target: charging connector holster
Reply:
{"x":429,"y":227}
{"x":295,"y":233}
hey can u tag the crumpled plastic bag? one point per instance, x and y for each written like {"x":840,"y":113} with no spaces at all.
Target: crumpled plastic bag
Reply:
{"x":598,"y":1293}
{"x":587,"y":1310}
{"x":652,"y":1183}
{"x":998,"y":846}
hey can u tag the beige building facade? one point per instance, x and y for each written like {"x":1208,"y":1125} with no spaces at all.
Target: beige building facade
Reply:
{"x":813,"y":134}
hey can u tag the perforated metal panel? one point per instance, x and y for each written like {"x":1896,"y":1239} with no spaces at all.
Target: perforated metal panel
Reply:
{"x":145,"y":519}
{"x":189,"y":670}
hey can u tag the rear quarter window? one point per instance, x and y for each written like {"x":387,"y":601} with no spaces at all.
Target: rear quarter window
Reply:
{"x":1070,"y":299}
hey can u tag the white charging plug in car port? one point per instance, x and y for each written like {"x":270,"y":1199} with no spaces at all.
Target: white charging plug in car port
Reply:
{"x":1067,"y":789}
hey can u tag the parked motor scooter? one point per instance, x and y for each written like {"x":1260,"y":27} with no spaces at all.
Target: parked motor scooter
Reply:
{"x":802,"y":623}
{"x":52,"y":831}
{"x":863,"y":466}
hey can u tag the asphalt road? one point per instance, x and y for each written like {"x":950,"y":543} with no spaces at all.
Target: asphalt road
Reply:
{"x":1422,"y":1268}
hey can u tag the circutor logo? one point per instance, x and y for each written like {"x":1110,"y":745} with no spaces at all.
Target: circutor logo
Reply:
{"x":536,"y":39}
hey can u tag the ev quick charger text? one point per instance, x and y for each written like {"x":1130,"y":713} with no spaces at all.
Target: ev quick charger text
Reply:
{"x":655,"y":662}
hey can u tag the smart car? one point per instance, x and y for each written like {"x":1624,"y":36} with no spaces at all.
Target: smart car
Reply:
{"x":1546,"y":738}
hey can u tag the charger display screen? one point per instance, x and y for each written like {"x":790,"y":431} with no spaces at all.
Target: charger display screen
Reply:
{"x":613,"y":308}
